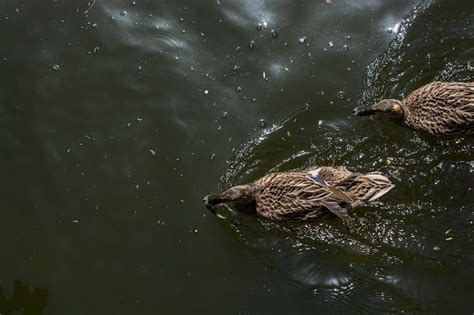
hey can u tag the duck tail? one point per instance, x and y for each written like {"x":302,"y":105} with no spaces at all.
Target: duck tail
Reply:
{"x":373,"y":186}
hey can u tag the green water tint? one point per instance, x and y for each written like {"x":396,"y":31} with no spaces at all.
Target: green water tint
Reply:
{"x":115,"y":124}
{"x":397,"y":249}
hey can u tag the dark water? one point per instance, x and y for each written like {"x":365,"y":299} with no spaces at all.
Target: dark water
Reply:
{"x":117,"y":118}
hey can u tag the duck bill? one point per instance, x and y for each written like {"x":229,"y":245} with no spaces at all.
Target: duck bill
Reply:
{"x":212,"y":203}
{"x":364,"y":111}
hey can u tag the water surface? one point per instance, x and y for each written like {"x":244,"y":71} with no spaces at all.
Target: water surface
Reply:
{"x":118,"y":117}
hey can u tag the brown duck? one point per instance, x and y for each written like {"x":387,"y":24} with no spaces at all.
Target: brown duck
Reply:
{"x":304,"y":196}
{"x":438,"y":108}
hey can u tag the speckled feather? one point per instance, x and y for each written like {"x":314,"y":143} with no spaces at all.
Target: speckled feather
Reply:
{"x":295,"y":196}
{"x":441,"y":108}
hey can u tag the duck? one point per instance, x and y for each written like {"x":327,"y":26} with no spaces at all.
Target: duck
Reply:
{"x":439,"y":108}
{"x":303,"y":196}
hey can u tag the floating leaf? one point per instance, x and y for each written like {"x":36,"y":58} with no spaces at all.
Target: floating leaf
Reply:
{"x":449,"y":238}
{"x":448,"y":231}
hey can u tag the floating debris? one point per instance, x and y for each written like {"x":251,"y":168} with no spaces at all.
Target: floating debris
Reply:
{"x":122,"y":13}
{"x":252,"y":44}
{"x":153,"y":152}
{"x":238,"y":89}
{"x":274,"y":34}
{"x":301,"y":40}
{"x":262,"y":123}
{"x":449,"y":238}
{"x":206,"y":92}
{"x":225,"y":114}
{"x":56,"y":67}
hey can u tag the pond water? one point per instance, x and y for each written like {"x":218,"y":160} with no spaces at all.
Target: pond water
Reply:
{"x":117,"y":117}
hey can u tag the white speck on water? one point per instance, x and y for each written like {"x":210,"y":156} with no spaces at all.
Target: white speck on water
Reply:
{"x":331,"y":44}
{"x":56,"y":67}
{"x":153,"y":152}
{"x":213,"y":156}
{"x":75,"y":221}
{"x":139,"y":119}
{"x":206,"y":92}
{"x":302,"y":39}
{"x":341,"y":95}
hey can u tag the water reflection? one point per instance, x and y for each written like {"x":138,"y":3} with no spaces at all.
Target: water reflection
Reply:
{"x":31,"y":303}
{"x":393,"y":251}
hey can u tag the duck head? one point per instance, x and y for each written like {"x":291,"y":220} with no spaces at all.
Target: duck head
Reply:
{"x":387,"y":107}
{"x":238,"y":196}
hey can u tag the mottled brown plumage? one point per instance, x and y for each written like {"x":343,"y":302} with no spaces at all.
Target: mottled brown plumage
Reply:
{"x":304,"y":195}
{"x":438,"y":108}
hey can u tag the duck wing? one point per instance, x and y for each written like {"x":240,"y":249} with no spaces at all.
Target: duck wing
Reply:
{"x":336,"y":193}
{"x":367,"y":187}
{"x":442,"y":107}
{"x":295,"y":196}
